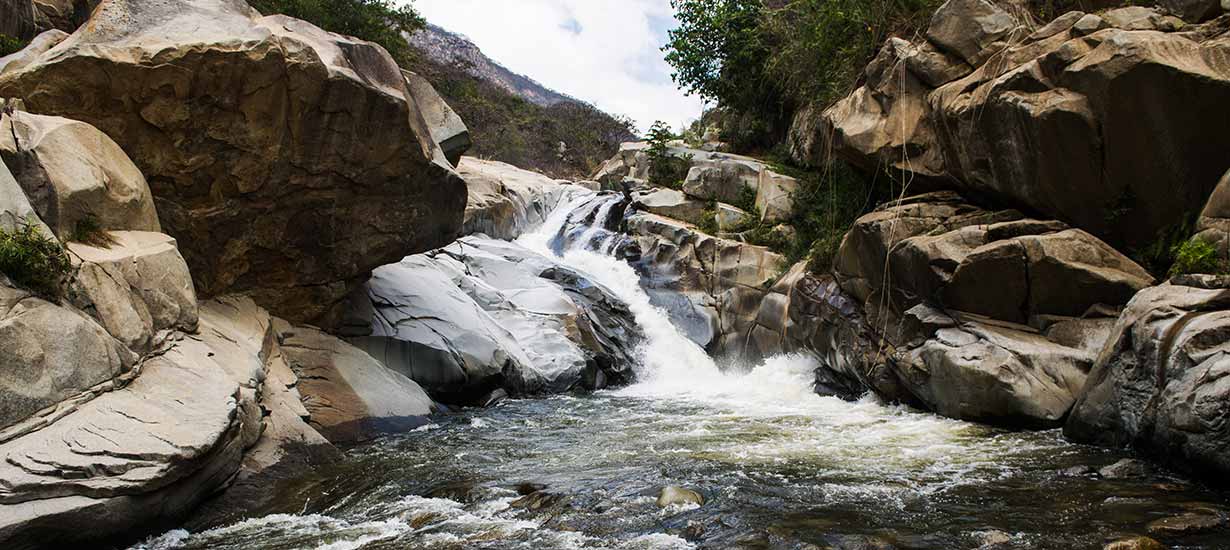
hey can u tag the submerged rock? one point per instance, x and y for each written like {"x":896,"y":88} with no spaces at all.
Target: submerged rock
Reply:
{"x":673,"y":496}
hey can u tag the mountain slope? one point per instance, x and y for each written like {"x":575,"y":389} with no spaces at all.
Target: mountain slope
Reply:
{"x":511,"y":117}
{"x":449,"y":48}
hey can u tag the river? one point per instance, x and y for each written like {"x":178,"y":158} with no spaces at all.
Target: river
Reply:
{"x":778,"y":466}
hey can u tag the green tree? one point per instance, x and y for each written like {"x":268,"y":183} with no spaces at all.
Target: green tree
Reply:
{"x":664,"y":168}
{"x":384,"y":22}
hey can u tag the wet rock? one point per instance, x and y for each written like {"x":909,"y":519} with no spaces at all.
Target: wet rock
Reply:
{"x":1186,"y":524}
{"x":993,"y":540}
{"x":528,"y":488}
{"x":1135,"y":543}
{"x":1157,"y":386}
{"x":1126,"y":469}
{"x":288,"y":162}
{"x":672,"y":495}
{"x":540,"y":500}
{"x":1078,"y":471}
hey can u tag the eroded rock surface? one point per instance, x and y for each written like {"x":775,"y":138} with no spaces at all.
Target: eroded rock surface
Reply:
{"x":505,"y":200}
{"x":287,"y":161}
{"x":1160,"y":385}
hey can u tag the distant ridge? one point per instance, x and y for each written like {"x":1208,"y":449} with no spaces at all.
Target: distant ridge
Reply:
{"x":450,"y":48}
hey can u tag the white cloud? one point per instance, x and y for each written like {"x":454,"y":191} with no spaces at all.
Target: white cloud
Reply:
{"x":602,"y":51}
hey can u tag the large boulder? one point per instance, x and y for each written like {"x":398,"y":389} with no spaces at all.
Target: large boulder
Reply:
{"x":287,"y":161}
{"x":75,"y":174}
{"x":348,"y":396}
{"x":483,"y":315}
{"x":775,"y":196}
{"x":138,"y":287}
{"x":18,"y":19}
{"x":447,"y":128}
{"x":936,"y":248}
{"x":504,"y":200}
{"x":974,"y":314}
{"x":1194,"y":11}
{"x":673,"y":204}
{"x":1055,"y":121}
{"x":1160,"y":383}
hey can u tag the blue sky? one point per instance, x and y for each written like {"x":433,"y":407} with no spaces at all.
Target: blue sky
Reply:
{"x":602,"y":51}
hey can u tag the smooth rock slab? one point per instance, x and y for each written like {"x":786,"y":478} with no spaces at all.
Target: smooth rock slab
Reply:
{"x":349,"y":396}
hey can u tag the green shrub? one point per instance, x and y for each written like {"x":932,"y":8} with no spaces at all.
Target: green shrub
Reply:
{"x":665,"y":169}
{"x":34,"y":261}
{"x":1197,"y":256}
{"x":10,"y":45}
{"x":379,"y":21}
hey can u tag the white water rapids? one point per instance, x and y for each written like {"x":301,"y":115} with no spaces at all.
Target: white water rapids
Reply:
{"x":779,"y":465}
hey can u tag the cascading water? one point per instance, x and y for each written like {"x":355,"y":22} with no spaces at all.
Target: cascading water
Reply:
{"x":779,"y":466}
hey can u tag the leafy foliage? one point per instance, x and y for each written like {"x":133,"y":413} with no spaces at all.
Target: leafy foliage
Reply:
{"x":34,"y":261}
{"x":10,"y":45}
{"x":665,"y":169}
{"x":379,"y":21}
{"x":1197,"y":256}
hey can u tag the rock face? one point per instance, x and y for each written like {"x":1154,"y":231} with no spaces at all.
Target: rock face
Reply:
{"x":73,"y":173}
{"x":673,"y":204}
{"x":905,"y":318}
{"x":263,"y":140}
{"x":1160,"y":385}
{"x":505,"y":200}
{"x":1053,"y":119}
{"x":711,"y":287}
{"x":482,"y":315}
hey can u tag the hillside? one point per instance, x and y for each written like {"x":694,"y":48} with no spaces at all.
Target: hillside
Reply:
{"x":449,"y":48}
{"x":511,"y":117}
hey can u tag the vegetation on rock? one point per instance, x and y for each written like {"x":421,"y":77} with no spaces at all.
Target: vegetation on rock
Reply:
{"x":665,"y":169}
{"x":10,"y":45}
{"x":89,"y":231}
{"x":379,"y":21}
{"x":34,"y":261}
{"x":1197,"y":256}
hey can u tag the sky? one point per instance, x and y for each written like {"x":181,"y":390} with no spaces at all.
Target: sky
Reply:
{"x":606,"y":52}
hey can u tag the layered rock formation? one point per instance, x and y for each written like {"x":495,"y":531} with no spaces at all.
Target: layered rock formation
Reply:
{"x":1061,"y":120}
{"x":263,"y":139}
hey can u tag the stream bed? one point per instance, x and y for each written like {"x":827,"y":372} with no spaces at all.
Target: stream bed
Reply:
{"x":778,"y":466}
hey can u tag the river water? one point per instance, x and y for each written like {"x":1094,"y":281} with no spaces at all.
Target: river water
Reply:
{"x":777,"y":465}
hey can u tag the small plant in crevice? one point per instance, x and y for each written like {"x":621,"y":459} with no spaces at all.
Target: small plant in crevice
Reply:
{"x":89,"y":231}
{"x":34,"y":261}
{"x":1196,"y":255}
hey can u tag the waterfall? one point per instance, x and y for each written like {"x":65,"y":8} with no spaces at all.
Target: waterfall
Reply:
{"x":671,"y":364}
